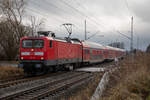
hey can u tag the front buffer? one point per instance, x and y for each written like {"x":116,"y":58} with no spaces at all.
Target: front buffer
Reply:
{"x":33,"y":67}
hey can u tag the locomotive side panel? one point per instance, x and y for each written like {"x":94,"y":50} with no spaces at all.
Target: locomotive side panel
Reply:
{"x":51,"y":54}
{"x":68,"y":53}
{"x":50,"y":50}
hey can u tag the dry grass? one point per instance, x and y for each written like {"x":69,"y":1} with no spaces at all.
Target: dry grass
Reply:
{"x":9,"y":72}
{"x":133,"y":79}
{"x":88,"y":90}
{"x":130,"y":82}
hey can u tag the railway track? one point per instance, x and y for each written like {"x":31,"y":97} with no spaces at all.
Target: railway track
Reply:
{"x":22,"y":79}
{"x":47,"y":87}
{"x":18,"y":80}
{"x":40,"y":87}
{"x":11,"y":79}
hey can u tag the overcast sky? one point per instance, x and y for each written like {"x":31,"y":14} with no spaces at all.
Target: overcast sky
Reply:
{"x":103,"y":16}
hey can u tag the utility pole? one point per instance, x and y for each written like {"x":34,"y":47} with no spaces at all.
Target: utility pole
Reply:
{"x":137,"y":43}
{"x":85,"y":31}
{"x":131,"y":34}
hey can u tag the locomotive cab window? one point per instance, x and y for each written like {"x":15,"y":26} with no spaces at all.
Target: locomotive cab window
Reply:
{"x":32,"y":43}
{"x":38,"y":43}
{"x":27,"y":44}
{"x":50,"y":44}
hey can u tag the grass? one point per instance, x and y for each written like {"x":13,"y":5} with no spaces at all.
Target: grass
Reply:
{"x":7,"y":72}
{"x":133,"y":79}
{"x":87,"y":91}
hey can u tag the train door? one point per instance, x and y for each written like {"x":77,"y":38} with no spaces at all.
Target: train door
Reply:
{"x":86,"y":54}
{"x":105,"y":54}
{"x":55,"y":46}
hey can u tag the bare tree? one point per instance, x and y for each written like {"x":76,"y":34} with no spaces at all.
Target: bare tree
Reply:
{"x":35,"y":24}
{"x":11,"y":27}
{"x":13,"y":10}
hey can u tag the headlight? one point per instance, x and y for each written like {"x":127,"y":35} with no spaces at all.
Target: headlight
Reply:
{"x":25,"y":53}
{"x":39,"y":53}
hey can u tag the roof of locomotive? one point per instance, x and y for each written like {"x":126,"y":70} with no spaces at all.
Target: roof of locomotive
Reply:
{"x":77,"y":41}
{"x":37,"y":37}
{"x":71,"y":40}
{"x":93,"y":45}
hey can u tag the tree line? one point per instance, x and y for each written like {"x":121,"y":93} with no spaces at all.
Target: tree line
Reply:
{"x":12,"y":27}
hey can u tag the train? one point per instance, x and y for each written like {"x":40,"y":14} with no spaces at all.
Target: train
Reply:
{"x":47,"y":53}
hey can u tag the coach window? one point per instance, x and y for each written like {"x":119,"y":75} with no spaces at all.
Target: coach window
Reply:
{"x":50,"y":44}
{"x":87,"y":52}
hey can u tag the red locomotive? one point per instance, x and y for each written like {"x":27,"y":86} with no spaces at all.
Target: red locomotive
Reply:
{"x":43,"y":53}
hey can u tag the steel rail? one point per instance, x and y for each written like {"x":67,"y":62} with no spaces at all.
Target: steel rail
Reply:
{"x":38,"y":87}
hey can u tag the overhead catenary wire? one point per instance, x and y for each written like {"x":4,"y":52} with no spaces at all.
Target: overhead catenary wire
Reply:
{"x":131,"y":38}
{"x":61,"y":9}
{"x":95,"y":22}
{"x":81,"y":13}
{"x":76,"y":11}
{"x":83,"y":7}
{"x":128,"y":8}
{"x":41,"y":13}
{"x":54,"y":6}
{"x":116,"y":31}
{"x":46,"y":15}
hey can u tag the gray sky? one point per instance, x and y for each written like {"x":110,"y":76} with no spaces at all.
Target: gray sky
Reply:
{"x":105,"y":16}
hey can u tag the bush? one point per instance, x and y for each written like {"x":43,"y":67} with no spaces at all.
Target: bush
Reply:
{"x":9,"y":72}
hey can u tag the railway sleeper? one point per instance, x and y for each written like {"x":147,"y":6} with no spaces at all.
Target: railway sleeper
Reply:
{"x":60,"y":86}
{"x":36,"y":88}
